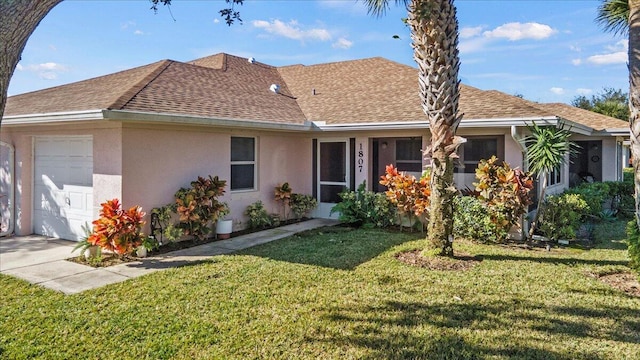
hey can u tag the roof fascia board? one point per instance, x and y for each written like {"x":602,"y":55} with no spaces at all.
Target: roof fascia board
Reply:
{"x":472,"y":123}
{"x":34,"y":119}
{"x":624,"y":132}
{"x":146,"y":117}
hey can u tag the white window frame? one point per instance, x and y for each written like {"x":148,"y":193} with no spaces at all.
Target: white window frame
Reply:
{"x":253,"y":162}
{"x":554,"y":177}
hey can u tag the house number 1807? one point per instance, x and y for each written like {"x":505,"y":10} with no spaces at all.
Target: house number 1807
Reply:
{"x":360,"y":158}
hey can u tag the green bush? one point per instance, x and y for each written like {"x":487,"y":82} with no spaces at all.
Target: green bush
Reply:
{"x":365,"y":208}
{"x":301,"y":204}
{"x":561,"y":215}
{"x":618,"y":193}
{"x":472,"y":220}
{"x":259,"y":218}
{"x":633,"y":241}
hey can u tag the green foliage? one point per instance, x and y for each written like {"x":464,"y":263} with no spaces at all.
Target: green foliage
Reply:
{"x":198,"y":206}
{"x":473,"y":221}
{"x":301,"y":204}
{"x":547,"y":147}
{"x":633,"y":243}
{"x":561,"y":215}
{"x":610,"y":102}
{"x":619,"y":194}
{"x":169,"y":231}
{"x":259,"y":218}
{"x":505,"y":193}
{"x":365,"y":208}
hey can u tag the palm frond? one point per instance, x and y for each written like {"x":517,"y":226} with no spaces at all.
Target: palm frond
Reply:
{"x":613,"y":16}
{"x":380,"y":7}
{"x":547,"y":148}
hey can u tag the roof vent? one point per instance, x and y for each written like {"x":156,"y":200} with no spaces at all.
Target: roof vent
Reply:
{"x":275,"y":88}
{"x":251,"y":60}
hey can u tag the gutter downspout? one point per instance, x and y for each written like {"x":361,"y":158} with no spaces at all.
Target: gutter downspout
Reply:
{"x":524,"y":225}
{"x":12,"y":190}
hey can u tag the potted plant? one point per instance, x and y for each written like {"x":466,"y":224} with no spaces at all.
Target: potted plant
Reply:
{"x":148,"y":243}
{"x":224,"y":226}
{"x":87,"y":249}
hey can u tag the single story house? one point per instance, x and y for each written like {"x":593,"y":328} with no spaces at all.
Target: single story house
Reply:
{"x":141,"y":134}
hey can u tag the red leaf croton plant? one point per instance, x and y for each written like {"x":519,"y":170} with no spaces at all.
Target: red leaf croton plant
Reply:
{"x":117,"y":230}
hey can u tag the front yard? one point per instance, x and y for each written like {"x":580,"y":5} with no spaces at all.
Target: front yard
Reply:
{"x":340,"y":294}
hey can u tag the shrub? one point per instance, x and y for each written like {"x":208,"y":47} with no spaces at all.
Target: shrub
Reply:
{"x":168,"y":229}
{"x":472,"y":220}
{"x":561,"y":216}
{"x":594,"y":194}
{"x":410,"y":195}
{"x":259,"y":218}
{"x":633,"y":242}
{"x":505,"y":192}
{"x":618,"y":193}
{"x":301,"y":204}
{"x":365,"y":208}
{"x":198,"y":206}
{"x":117,"y":230}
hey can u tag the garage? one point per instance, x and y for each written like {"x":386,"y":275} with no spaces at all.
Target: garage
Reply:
{"x":63,"y":186}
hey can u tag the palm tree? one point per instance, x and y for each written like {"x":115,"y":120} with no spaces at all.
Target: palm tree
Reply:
{"x":434,"y":35}
{"x":547,"y":150}
{"x":623,"y":17}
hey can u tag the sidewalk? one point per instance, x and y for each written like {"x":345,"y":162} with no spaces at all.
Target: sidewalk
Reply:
{"x":41,"y":260}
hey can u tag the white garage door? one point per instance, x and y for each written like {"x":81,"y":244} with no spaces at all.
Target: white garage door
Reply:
{"x":63,"y":186}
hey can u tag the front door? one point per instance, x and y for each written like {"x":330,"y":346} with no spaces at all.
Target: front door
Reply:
{"x":333,"y":174}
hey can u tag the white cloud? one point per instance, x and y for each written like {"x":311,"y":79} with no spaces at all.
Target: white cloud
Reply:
{"x":126,"y":25}
{"x":472,"y":45}
{"x":575,"y":48}
{"x":582,"y":91}
{"x":469,"y":32}
{"x":138,"y":32}
{"x":518,"y":31}
{"x":557,"y":90}
{"x":292,"y":30}
{"x":618,"y":54}
{"x":342,"y":43}
{"x":48,"y":71}
{"x":216,"y":20}
{"x":576,"y":62}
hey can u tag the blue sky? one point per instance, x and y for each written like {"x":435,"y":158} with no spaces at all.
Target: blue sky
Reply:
{"x":548,"y":51}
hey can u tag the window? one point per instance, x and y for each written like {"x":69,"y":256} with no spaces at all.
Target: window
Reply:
{"x":243,"y":163}
{"x":409,"y":154}
{"x":479,"y":148}
{"x":554,"y":177}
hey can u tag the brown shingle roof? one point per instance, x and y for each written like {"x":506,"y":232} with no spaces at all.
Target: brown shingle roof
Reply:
{"x":585,"y":117}
{"x":97,"y":93}
{"x":372,"y":90}
{"x":360,"y":91}
{"x":237,"y":90}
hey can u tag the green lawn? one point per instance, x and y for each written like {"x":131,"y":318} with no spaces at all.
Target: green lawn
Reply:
{"x":339,"y":295}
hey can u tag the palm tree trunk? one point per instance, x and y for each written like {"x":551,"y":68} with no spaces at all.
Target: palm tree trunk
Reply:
{"x":536,"y":218}
{"x":634,"y":95}
{"x":18,"y":20}
{"x":434,"y":32}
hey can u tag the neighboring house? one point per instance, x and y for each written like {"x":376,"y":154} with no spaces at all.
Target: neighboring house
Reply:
{"x":141,"y":134}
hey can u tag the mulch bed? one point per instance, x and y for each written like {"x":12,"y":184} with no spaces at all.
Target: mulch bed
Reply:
{"x":623,"y":281}
{"x":108,"y":259}
{"x":459,"y":262}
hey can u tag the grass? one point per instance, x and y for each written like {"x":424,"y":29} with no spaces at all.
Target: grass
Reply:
{"x":339,"y":294}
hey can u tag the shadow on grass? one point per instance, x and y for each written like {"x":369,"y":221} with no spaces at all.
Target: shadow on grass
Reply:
{"x":333,"y":247}
{"x":552,"y":260}
{"x":415,"y":330}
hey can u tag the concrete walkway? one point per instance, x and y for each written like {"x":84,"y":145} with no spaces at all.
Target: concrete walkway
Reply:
{"x":41,"y":260}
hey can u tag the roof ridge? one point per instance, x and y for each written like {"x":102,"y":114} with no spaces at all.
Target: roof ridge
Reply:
{"x":136,"y":88}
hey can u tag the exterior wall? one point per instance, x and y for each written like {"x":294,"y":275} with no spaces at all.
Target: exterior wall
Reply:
{"x":158,"y":161}
{"x":106,"y":154}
